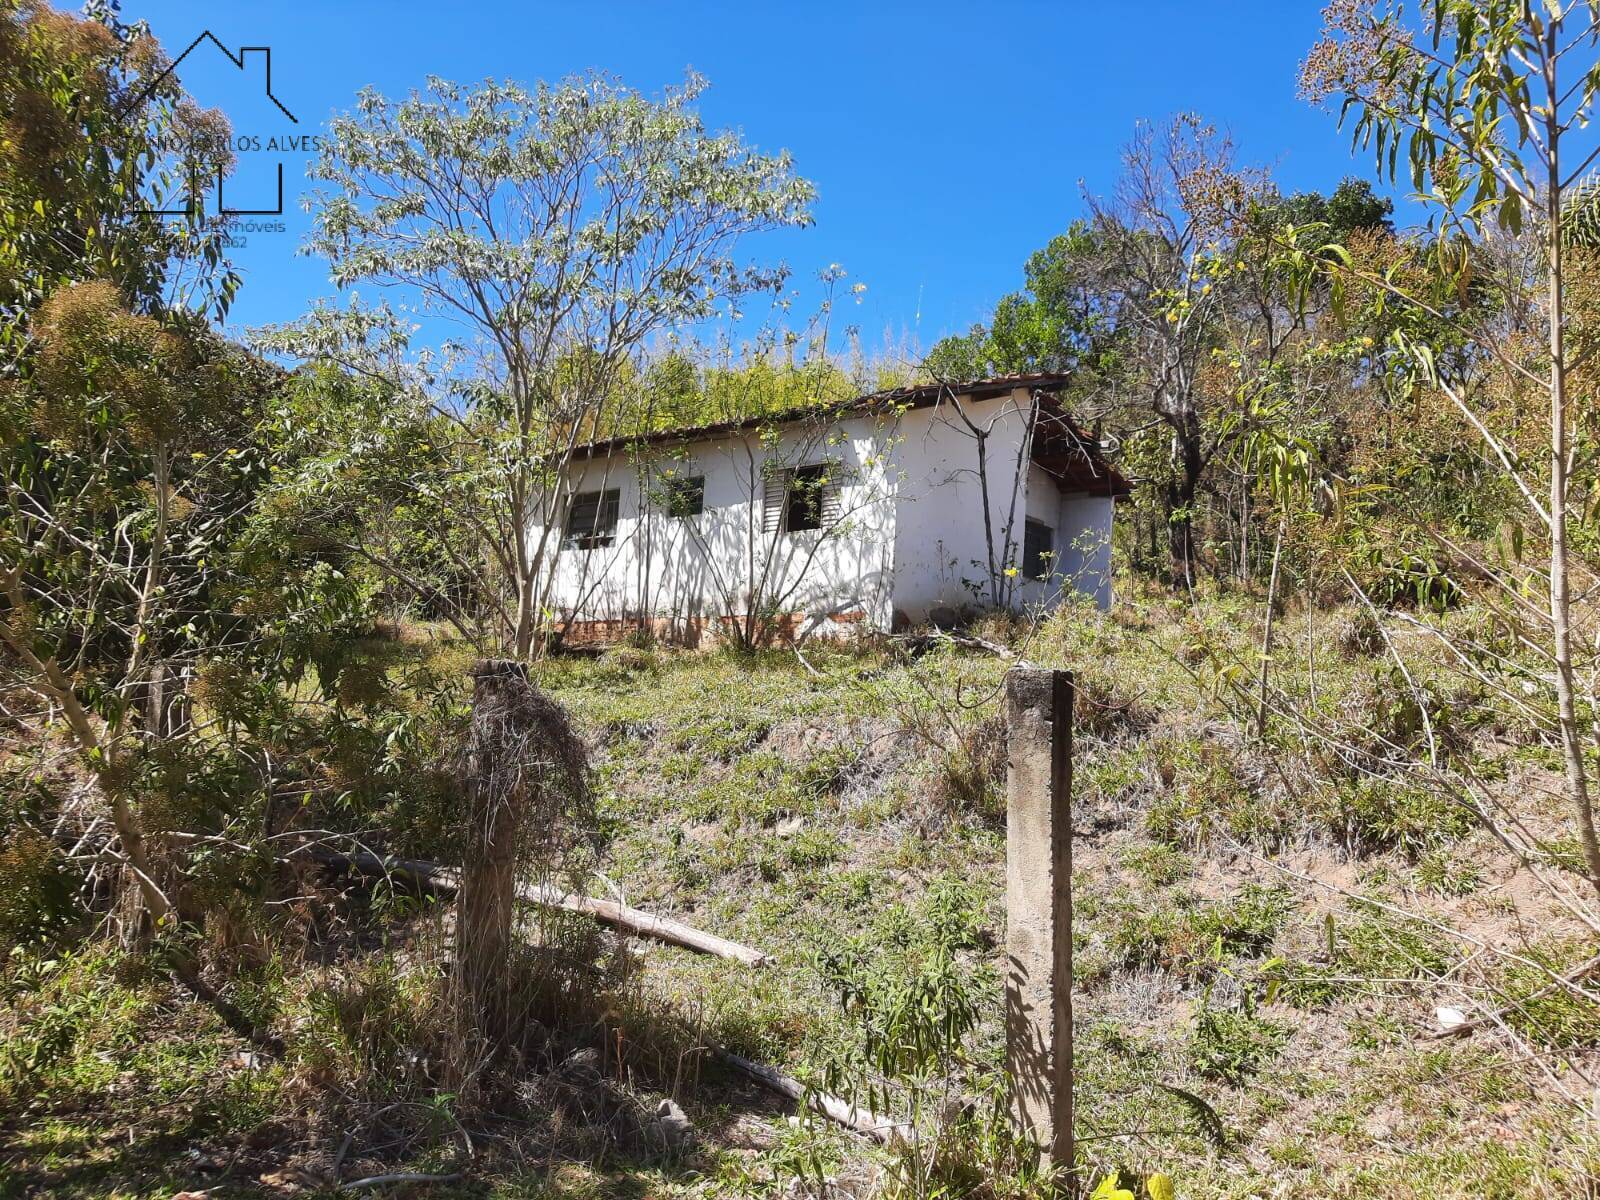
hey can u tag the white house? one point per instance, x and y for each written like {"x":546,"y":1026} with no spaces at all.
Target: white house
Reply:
{"x":903,"y":507}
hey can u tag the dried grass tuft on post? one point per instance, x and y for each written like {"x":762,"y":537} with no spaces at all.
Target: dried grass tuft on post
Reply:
{"x":532,"y":816}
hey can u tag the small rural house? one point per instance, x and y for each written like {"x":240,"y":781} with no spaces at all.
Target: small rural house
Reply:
{"x":897,"y":508}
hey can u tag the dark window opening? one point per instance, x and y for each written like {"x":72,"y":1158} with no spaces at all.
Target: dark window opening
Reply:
{"x":807,"y":493}
{"x":800,"y":498}
{"x":686,"y":497}
{"x":592,"y":519}
{"x":1038,"y":549}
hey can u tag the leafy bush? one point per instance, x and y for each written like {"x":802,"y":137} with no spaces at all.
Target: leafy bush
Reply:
{"x":36,"y":886}
{"x":917,"y":1002}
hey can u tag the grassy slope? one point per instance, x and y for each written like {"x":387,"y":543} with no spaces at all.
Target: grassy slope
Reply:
{"x":1186,"y":927}
{"x":798,"y":810}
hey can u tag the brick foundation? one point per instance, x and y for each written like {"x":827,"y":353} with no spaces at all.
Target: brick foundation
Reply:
{"x":692,"y":631}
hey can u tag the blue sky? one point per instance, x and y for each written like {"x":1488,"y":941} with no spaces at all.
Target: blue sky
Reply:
{"x":947,"y":140}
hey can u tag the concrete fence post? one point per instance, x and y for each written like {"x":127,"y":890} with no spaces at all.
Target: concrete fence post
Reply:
{"x":1038,"y":708}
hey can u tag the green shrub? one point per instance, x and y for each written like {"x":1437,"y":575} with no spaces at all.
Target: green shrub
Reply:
{"x":1231,"y":1045}
{"x":36,"y":887}
{"x":1190,"y":938}
{"x":1374,"y":814}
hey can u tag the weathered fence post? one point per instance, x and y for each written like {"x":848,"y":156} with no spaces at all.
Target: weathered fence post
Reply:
{"x":1038,"y":707}
{"x":485,"y":904}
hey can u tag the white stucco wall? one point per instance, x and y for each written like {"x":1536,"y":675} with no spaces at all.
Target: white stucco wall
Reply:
{"x":1083,"y":556}
{"x":941,"y":545}
{"x":911,"y":546}
{"x":722,"y":562}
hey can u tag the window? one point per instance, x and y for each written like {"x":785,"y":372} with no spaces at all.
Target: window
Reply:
{"x":801,"y":498}
{"x":1038,"y":549}
{"x":803,"y":508}
{"x":592,"y":519}
{"x":685,"y":497}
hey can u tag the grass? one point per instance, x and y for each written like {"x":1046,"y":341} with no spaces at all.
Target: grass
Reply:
{"x":829,"y":814}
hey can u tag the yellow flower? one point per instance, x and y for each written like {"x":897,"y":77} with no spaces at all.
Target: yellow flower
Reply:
{"x":1011,"y":572}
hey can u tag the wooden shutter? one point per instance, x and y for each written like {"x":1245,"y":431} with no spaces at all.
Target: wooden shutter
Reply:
{"x":775,"y":491}
{"x":832,"y":502}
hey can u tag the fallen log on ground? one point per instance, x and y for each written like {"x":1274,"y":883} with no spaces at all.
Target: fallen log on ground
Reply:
{"x":967,"y":640}
{"x":611,"y":912}
{"x":883,"y":1130}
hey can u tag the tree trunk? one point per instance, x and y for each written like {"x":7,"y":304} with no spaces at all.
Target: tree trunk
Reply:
{"x":1180,"y":497}
{"x":1560,"y":586}
{"x":1266,"y":636}
{"x":487,"y":898}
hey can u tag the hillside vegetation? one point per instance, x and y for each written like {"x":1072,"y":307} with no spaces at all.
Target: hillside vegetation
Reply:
{"x":1261,"y":943}
{"x":308,"y":806}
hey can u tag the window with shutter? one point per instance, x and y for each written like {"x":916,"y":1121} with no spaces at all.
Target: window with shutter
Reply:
{"x":592,"y":519}
{"x":775,"y":488}
{"x":796,"y":499}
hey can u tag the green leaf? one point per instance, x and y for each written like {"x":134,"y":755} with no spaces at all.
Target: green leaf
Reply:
{"x":1111,"y":1189}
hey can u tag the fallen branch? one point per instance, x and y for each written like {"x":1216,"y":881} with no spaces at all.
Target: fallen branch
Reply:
{"x":645,"y":924}
{"x":400,"y":1177}
{"x":611,"y":912}
{"x":883,"y":1130}
{"x":1570,"y":980}
{"x":966,"y":640}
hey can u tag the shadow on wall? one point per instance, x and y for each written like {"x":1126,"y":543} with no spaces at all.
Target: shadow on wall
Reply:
{"x":730,"y":567}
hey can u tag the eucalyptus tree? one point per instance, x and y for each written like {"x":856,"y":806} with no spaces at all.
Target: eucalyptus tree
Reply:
{"x":1482,"y":105}
{"x":115,"y":403}
{"x":557,"y":229}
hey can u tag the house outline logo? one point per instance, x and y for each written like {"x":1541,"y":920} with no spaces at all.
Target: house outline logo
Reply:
{"x":195,"y":206}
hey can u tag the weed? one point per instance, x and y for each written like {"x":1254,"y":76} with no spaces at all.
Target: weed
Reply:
{"x":1545,"y":1010}
{"x":970,"y":775}
{"x":1192,"y":938}
{"x":1158,"y":865}
{"x":1232,"y":1045}
{"x":1375,"y":813}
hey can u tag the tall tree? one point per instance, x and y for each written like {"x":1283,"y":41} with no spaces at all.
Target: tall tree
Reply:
{"x":108,"y":385}
{"x":1479,"y":105}
{"x":559,"y":229}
